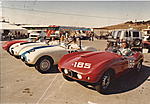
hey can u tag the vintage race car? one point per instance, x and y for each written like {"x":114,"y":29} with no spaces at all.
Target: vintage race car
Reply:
{"x":17,"y":45}
{"x":22,"y":47}
{"x":44,"y":58}
{"x":98,"y":68}
{"x":8,"y":44}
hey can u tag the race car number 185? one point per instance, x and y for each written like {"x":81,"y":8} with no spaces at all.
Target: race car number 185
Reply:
{"x":82,"y":65}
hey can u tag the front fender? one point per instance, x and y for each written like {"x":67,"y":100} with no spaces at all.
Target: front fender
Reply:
{"x":100,"y":68}
{"x":33,"y":57}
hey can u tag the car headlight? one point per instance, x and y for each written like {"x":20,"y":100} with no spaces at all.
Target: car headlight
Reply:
{"x":21,"y":57}
{"x":79,"y":76}
{"x":66,"y":71}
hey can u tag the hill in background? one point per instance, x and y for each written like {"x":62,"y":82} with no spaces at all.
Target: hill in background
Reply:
{"x":130,"y":24}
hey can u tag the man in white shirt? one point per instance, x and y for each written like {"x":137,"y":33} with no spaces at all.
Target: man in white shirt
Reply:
{"x":125,"y":51}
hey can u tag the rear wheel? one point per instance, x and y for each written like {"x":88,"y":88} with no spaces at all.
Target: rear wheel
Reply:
{"x":139,"y":67}
{"x":105,"y":82}
{"x":44,"y":64}
{"x":137,"y":42}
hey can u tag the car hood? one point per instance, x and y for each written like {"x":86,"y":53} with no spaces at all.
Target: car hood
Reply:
{"x":92,"y":59}
{"x":35,"y":48}
{"x":20,"y":47}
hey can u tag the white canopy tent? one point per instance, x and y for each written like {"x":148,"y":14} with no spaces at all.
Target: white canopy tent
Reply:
{"x":7,"y":26}
{"x":16,"y":31}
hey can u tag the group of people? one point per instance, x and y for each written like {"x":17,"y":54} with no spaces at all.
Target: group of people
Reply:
{"x":72,"y":41}
{"x":14,"y":35}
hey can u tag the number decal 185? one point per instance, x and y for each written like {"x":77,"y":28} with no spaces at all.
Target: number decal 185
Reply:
{"x":82,"y":65}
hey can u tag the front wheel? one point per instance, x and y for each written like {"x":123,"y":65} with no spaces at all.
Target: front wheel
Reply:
{"x":44,"y":64}
{"x":105,"y":82}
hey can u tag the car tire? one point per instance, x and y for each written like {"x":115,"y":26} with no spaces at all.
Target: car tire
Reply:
{"x":138,"y":67}
{"x":105,"y":82}
{"x":67,"y":78}
{"x":30,"y":65}
{"x":137,"y":42}
{"x":44,"y":64}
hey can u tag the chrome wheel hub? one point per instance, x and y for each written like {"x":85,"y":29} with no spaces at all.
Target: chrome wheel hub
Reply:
{"x":45,"y":65}
{"x":105,"y":81}
{"x":139,"y":66}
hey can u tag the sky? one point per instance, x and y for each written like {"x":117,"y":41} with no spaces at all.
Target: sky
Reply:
{"x":75,"y":13}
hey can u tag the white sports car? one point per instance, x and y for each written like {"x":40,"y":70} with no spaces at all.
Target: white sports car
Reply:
{"x":43,"y":58}
{"x":16,"y":48}
{"x":19,"y":48}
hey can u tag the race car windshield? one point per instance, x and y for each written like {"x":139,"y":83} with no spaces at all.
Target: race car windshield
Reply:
{"x":75,"y":42}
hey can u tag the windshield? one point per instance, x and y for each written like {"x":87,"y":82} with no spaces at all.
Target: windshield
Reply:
{"x":135,"y":34}
{"x":71,"y":43}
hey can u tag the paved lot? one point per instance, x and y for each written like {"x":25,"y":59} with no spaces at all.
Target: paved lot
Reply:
{"x":21,"y":84}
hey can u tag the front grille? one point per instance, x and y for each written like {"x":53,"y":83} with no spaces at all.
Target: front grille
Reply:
{"x":71,"y":73}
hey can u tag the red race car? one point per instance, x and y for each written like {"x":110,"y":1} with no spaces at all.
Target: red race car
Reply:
{"x":98,"y":68}
{"x":9,"y":43}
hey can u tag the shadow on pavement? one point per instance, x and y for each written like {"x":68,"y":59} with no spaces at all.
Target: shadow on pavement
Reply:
{"x":126,"y":82}
{"x":53,"y":71}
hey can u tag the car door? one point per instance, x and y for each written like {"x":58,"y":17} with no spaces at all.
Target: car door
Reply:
{"x":120,"y":64}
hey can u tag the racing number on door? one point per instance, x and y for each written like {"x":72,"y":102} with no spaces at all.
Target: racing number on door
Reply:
{"x":131,"y":63}
{"x":82,"y":65}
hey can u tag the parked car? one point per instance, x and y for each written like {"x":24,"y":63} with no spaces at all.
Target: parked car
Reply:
{"x":133,"y":37}
{"x":8,"y":44}
{"x":98,"y":68}
{"x":34,"y":35}
{"x":17,"y":48}
{"x":44,"y":58}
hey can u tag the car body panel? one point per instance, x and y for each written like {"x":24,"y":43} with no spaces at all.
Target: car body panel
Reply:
{"x":8,"y":44}
{"x":94,"y":64}
{"x":31,"y":49}
{"x":54,"y":51}
{"x":16,"y":50}
{"x":17,"y":45}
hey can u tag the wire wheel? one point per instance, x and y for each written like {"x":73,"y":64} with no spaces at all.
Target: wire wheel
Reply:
{"x":139,"y":67}
{"x":44,"y":64}
{"x":105,"y":82}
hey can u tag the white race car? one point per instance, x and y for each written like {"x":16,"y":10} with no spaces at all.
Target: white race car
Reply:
{"x":19,"y":48}
{"x":43,"y":58}
{"x":17,"y":45}
{"x":16,"y":48}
